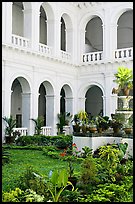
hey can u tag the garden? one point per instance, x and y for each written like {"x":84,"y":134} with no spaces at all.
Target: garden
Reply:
{"x":52,"y":169}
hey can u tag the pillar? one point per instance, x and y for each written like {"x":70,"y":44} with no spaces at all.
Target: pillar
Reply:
{"x":6,"y":22}
{"x":82,"y":103}
{"x":50,"y":111}
{"x":31,"y":27}
{"x":69,"y":104}
{"x":26,"y":110}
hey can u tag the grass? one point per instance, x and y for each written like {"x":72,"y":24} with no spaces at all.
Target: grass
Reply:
{"x":20,"y":159}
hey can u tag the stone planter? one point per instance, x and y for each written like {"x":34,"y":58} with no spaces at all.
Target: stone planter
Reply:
{"x":95,"y":142}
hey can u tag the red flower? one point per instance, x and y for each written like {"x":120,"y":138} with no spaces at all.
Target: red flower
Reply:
{"x":73,"y":145}
{"x":63,"y":154}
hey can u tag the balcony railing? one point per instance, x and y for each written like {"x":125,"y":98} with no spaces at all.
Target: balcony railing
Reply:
{"x":20,"y":41}
{"x":92,"y":57}
{"x":65,"y":55}
{"x":124,"y":53}
{"x":22,"y":131}
{"x":45,"y":49}
{"x":46,"y":130}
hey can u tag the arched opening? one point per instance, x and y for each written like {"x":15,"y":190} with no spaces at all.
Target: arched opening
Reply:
{"x":63,"y":35}
{"x":20,"y":102}
{"x":94,"y":101}
{"x":42,"y":103}
{"x":62,"y":101}
{"x":94,"y":35}
{"x":46,"y":103}
{"x":43,"y":26}
{"x":66,"y":99}
{"x":17,"y":19}
{"x":125,"y":30}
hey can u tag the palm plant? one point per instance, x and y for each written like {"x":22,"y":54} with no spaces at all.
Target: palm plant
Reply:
{"x":11,"y":123}
{"x":39,"y":122}
{"x":64,"y":119}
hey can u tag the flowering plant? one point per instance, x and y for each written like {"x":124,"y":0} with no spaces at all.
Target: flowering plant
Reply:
{"x":70,"y":157}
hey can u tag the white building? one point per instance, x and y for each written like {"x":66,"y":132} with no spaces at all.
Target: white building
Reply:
{"x":62,"y":56}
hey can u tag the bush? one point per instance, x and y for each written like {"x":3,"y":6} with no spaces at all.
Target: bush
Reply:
{"x":42,"y":140}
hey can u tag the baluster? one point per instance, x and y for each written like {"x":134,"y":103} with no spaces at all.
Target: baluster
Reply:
{"x":122,"y":53}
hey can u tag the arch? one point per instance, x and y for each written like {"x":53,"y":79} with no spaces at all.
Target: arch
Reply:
{"x":94,"y":101}
{"x":67,"y":20}
{"x":48,"y":10}
{"x":24,"y":81}
{"x":46,"y":103}
{"x":68,"y":90}
{"x":66,"y":33}
{"x":119,"y":11}
{"x":88,"y":16}
{"x":66,"y":100}
{"x":20,"y":101}
{"x":83,"y":89}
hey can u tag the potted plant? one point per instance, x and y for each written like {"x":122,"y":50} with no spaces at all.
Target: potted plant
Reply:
{"x":102,"y":123}
{"x":92,"y":125}
{"x":11,"y":124}
{"x":76,"y":124}
{"x":117,"y":122}
{"x":64,"y":119}
{"x":128,"y":127}
{"x":124,"y":79}
{"x":83,"y":117}
{"x":39,"y":122}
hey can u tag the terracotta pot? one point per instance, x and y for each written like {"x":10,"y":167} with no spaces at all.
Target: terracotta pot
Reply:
{"x":93,"y":129}
{"x":100,"y":130}
{"x":116,"y":129}
{"x":128,"y":130}
{"x":126,"y":91}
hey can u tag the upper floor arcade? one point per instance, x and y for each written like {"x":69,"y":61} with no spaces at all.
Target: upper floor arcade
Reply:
{"x":67,"y":34}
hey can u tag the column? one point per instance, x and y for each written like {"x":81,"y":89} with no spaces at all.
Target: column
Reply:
{"x":56,"y":111}
{"x":6,"y":22}
{"x":81,"y":49}
{"x":82,"y":103}
{"x":69,"y":40}
{"x":50,"y":111}
{"x":113,"y":39}
{"x":6,"y":108}
{"x":57,"y":37}
{"x":33,"y":111}
{"x":26,"y":110}
{"x":31,"y":27}
{"x":104,"y":105}
{"x":69,"y":104}
{"x":51,"y":33}
{"x":114,"y":98}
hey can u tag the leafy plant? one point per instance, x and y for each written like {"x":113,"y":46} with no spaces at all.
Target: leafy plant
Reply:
{"x":86,"y":152}
{"x":64,"y":119}
{"x":124,"y":79}
{"x":123,"y":149}
{"x":110,"y":156}
{"x":11,"y":123}
{"x":88,"y":171}
{"x":39,"y":122}
{"x":57,"y":182}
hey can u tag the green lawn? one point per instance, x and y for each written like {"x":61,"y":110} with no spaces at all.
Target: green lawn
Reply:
{"x":20,"y":159}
